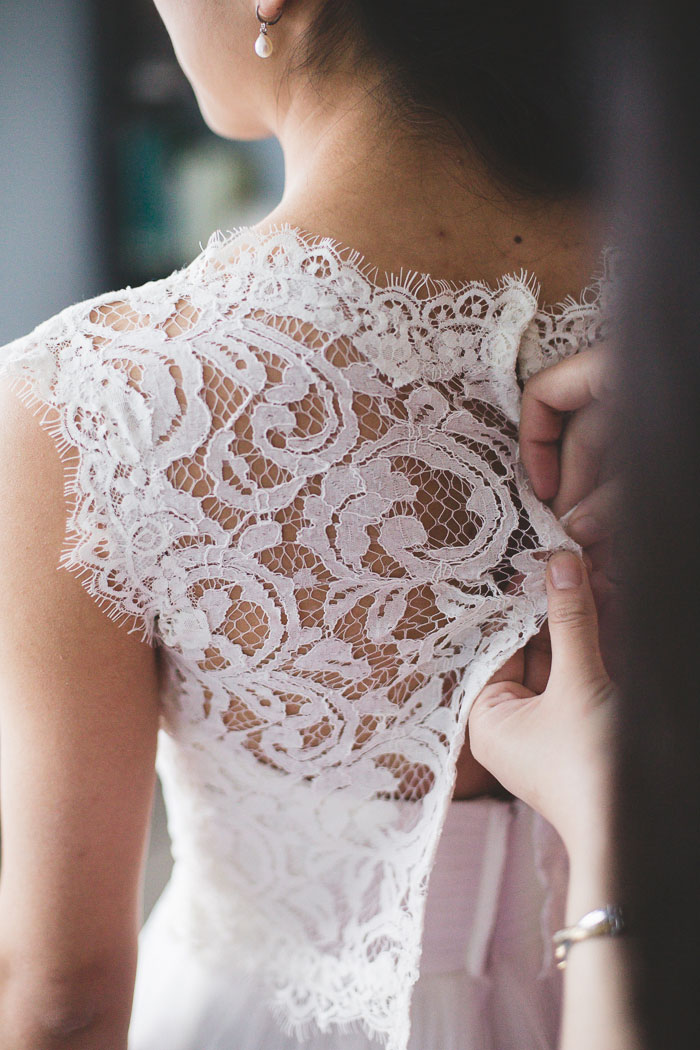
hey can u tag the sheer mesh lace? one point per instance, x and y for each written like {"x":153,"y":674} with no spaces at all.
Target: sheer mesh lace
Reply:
{"x":300,"y":482}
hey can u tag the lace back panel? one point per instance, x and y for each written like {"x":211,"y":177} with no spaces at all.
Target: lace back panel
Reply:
{"x":302,"y":486}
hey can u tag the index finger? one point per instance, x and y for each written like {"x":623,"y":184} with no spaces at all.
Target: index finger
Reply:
{"x":564,"y":387}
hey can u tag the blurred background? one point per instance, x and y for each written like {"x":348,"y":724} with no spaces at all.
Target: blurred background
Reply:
{"x":108,"y":176}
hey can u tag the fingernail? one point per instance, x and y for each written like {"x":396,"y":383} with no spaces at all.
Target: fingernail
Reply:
{"x":585,"y":530}
{"x":564,"y":518}
{"x":565,"y":570}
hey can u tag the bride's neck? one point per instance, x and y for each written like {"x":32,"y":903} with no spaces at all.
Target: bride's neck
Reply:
{"x":413,"y":200}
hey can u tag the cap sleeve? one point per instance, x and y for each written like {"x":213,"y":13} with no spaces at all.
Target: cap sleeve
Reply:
{"x":83,"y":377}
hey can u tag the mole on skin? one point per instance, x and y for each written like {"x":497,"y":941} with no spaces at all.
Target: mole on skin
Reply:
{"x":518,"y":239}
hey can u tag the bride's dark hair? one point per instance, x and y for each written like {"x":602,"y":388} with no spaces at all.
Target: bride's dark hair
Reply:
{"x":504,"y":78}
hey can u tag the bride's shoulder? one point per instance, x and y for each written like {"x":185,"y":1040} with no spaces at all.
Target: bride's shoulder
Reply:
{"x":149,"y":309}
{"x":205,"y":293}
{"x":131,"y":335}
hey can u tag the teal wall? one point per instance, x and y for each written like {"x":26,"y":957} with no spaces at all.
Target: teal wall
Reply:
{"x":49,"y":255}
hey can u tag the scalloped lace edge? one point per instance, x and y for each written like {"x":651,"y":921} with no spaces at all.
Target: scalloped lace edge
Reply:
{"x":406,"y":280}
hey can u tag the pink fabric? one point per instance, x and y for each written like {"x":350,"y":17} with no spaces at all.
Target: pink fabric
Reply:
{"x":495,"y":896}
{"x":464,"y":887}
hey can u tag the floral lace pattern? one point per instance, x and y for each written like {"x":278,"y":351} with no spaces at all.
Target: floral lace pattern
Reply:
{"x":302,"y":485}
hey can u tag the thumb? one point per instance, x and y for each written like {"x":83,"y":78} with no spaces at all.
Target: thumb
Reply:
{"x":573,"y":621}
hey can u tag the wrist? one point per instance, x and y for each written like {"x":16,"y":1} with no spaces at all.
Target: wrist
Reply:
{"x":587,"y":830}
{"x":589,"y":842}
{"x":591,"y":875}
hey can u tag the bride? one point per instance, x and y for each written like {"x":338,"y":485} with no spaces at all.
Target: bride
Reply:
{"x":284,"y":484}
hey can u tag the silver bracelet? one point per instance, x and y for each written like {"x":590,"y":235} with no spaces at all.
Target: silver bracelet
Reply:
{"x":602,"y":922}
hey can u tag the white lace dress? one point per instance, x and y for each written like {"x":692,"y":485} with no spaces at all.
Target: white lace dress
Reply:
{"x":298,"y":480}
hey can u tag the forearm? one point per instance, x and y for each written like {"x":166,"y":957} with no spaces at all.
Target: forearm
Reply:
{"x":596,"y":998}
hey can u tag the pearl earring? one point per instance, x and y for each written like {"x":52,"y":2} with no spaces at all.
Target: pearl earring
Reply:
{"x":263,"y":44}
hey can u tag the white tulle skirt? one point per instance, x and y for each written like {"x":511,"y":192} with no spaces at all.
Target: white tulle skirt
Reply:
{"x":486,"y":982}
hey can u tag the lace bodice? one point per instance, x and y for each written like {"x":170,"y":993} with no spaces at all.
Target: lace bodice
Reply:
{"x":300,"y":482}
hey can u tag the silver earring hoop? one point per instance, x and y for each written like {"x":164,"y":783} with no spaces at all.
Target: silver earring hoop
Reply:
{"x":263,"y":44}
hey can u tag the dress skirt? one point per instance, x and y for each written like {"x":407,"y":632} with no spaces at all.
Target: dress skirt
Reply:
{"x":486,"y":980}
